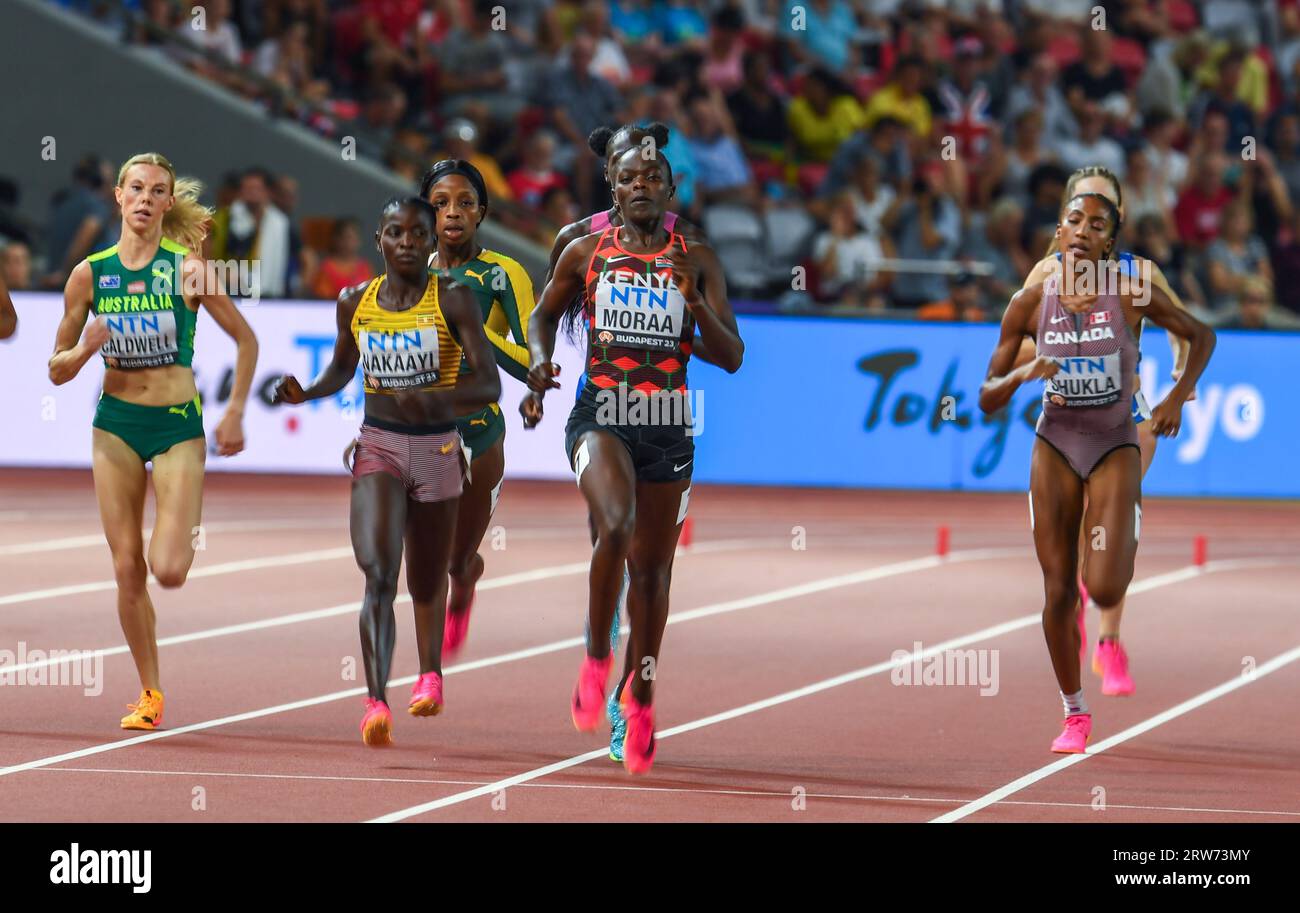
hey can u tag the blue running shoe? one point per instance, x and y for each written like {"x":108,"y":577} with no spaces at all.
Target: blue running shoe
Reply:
{"x":617,"y":727}
{"x":615,"y":629}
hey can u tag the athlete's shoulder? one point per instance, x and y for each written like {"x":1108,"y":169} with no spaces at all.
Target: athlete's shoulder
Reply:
{"x":351,"y":296}
{"x":690,"y":231}
{"x":102,"y":255}
{"x":571,"y":232}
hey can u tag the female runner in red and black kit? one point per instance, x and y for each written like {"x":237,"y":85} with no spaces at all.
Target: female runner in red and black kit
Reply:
{"x":643,"y":291}
{"x":1086,"y":438}
{"x":608,"y":144}
{"x":410,"y":330}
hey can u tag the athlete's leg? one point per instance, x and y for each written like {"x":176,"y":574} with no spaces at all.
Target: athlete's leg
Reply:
{"x":1056,"y":498}
{"x":120,"y":488}
{"x":378,"y":520}
{"x":430,"y":532}
{"x":1110,"y":618}
{"x":472,"y":518}
{"x":608,"y":483}
{"x":650,"y":564}
{"x":1111,"y":521}
{"x":178,"y":489}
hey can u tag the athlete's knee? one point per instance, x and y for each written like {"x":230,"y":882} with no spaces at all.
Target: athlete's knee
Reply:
{"x":1107,"y":593}
{"x":381,"y":578}
{"x":615,"y":526}
{"x":1061,"y":597}
{"x":129,"y":569}
{"x":170,"y":572}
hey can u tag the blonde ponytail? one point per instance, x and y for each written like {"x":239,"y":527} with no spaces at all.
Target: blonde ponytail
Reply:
{"x":187,"y":221}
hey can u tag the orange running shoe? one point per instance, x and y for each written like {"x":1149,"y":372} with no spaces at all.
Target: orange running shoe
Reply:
{"x":146,"y":713}
{"x":377,"y":724}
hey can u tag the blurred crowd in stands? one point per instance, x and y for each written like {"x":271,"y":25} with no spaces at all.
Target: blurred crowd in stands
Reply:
{"x":856,"y":156}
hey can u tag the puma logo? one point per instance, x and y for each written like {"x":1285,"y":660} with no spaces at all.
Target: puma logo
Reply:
{"x":477,"y":421}
{"x":182,"y":411}
{"x":478,"y":276}
{"x":448,"y":446}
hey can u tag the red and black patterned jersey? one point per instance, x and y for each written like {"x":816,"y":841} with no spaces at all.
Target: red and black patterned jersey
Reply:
{"x":639,"y":327}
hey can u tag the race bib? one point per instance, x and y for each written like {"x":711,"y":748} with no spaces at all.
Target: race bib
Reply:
{"x":141,"y":339}
{"x":399,"y":359}
{"x":1085,"y":380}
{"x":644,"y":312}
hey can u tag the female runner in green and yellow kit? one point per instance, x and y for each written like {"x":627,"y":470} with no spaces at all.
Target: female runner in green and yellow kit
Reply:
{"x":504,"y":294}
{"x":145,"y":292}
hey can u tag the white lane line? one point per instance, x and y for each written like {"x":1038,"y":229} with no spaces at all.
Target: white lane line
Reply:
{"x":543,"y":573}
{"x":1006,"y":627}
{"x":629,"y":787}
{"x":875,"y":573}
{"x":211,"y":570}
{"x":1187,"y":706}
{"x":97,"y":539}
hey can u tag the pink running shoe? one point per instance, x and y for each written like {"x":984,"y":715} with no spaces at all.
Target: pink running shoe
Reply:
{"x":1112,"y":659}
{"x":588,"y":704}
{"x":426,"y":695}
{"x":455,"y":630}
{"x":1074,"y":738}
{"x":377,"y":724}
{"x":639,"y":742}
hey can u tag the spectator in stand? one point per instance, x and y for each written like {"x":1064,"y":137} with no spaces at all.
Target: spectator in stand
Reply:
{"x":1168,"y":83}
{"x":343,"y":266}
{"x":966,"y":110}
{"x":408,"y":154}
{"x":846,"y":257}
{"x":1161,"y":130}
{"x":902,"y":99}
{"x":1042,"y":215}
{"x":1146,"y":191}
{"x":886,"y":141}
{"x":681,"y":24}
{"x":253,"y":229}
{"x":579,"y":103}
{"x":1037,"y":90}
{"x":384,"y":109}
{"x":724,"y":58}
{"x":1285,"y":143}
{"x":822,"y":116}
{"x":213,"y":32}
{"x":1092,"y":146}
{"x":1286,"y":267}
{"x":965,"y":302}
{"x":1153,"y":239}
{"x":608,"y":60}
{"x":559,"y":208}
{"x":16,"y":266}
{"x":927,"y":227}
{"x":472,"y":70}
{"x":818,"y":33}
{"x":995,"y":239}
{"x":537,"y":174}
{"x":1010,"y":166}
{"x":279,"y":15}
{"x":286,"y":60}
{"x":721,"y":172}
{"x":1234,"y":257}
{"x":1094,"y":77}
{"x":460,"y":141}
{"x":78,"y":219}
{"x":1254,"y":310}
{"x":1222,"y":99}
{"x":1201,"y":204}
{"x":758,"y":111}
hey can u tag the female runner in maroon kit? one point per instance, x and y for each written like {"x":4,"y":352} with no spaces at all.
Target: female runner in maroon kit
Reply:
{"x":1086,"y":438}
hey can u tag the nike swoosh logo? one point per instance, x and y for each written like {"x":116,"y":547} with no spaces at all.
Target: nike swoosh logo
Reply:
{"x":677,"y":468}
{"x":1059,"y":319}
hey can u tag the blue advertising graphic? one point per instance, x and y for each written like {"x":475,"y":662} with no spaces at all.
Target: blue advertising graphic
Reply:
{"x":851,"y":403}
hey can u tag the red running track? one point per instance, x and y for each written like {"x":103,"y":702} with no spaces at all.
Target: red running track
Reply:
{"x":775,"y":700}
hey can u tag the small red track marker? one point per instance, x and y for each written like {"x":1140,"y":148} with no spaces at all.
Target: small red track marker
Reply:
{"x":941,"y":542}
{"x":1199,"y":551}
